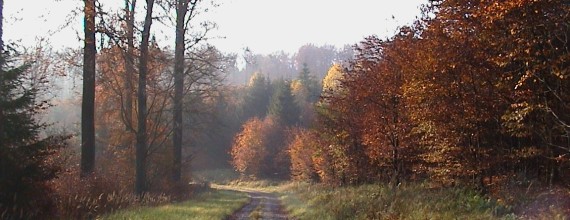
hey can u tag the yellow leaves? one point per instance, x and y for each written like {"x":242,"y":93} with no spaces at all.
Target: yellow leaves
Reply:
{"x":297,"y":87}
{"x":528,"y":74}
{"x":332,"y":81}
{"x":514,"y":119}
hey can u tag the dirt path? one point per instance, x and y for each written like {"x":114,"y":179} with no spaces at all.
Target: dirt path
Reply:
{"x":261,"y":206}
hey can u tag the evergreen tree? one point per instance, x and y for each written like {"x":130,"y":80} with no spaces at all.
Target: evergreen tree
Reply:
{"x":256,"y":98}
{"x":24,"y":166}
{"x":283,"y":106}
{"x":305,"y":74}
{"x":313,"y":89}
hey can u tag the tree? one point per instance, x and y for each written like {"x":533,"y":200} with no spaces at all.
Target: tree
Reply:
{"x":331,"y":82}
{"x":256,"y":99}
{"x":25,"y":165}
{"x":282,"y":105}
{"x":88,"y":101}
{"x":306,"y":90}
{"x":141,"y":147}
{"x":533,"y":58}
{"x":252,"y":153}
{"x":129,"y":63}
{"x":317,"y":58}
{"x":206,"y":60}
{"x":179,"y":49}
{"x":302,"y":150}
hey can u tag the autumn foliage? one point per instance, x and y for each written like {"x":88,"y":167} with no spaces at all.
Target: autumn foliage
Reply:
{"x":257,"y":151}
{"x":305,"y":162}
{"x":473,"y":93}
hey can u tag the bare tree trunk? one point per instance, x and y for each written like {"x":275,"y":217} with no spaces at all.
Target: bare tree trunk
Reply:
{"x":1,"y":26}
{"x":179,"y":48}
{"x":129,"y":62}
{"x":2,"y":166}
{"x":88,"y":101}
{"x":141,"y":148}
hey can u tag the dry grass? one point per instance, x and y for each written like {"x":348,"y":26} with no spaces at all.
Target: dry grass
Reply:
{"x":96,"y":195}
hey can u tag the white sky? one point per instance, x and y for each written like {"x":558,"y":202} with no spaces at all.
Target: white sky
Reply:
{"x":264,"y":26}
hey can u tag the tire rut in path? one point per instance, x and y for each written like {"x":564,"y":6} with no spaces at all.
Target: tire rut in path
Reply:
{"x":261,"y":206}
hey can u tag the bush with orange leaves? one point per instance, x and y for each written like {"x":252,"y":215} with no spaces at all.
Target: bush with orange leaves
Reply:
{"x":302,"y":150}
{"x":258,"y":150}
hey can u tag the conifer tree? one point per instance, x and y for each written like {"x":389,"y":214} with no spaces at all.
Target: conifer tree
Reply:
{"x":283,"y":106}
{"x":24,"y":166}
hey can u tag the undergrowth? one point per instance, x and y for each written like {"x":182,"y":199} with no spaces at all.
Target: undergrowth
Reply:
{"x":87,"y":198}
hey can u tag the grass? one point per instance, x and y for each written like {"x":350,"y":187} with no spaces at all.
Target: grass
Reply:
{"x":378,"y":201}
{"x":230,"y":180}
{"x":409,"y":201}
{"x":213,"y":204}
{"x":217,"y":176}
{"x":305,"y":201}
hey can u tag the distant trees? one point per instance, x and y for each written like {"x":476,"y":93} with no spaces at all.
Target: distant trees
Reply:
{"x":319,"y":58}
{"x":282,"y":106}
{"x":280,"y":65}
{"x":277,"y":109}
{"x":256,"y":97}
{"x":306,"y":89}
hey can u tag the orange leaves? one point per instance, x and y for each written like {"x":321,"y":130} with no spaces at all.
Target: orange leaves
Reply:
{"x":249,"y":147}
{"x":257,"y":149}
{"x":305,"y":162}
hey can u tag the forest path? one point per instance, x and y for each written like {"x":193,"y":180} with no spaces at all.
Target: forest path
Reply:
{"x":261,"y":206}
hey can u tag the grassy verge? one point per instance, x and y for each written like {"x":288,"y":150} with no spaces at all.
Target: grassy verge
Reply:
{"x":305,"y":201}
{"x":411,"y":201}
{"x":218,"y":176}
{"x":214,"y":204}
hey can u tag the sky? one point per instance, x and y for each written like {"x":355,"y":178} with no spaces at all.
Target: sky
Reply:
{"x":263,"y":26}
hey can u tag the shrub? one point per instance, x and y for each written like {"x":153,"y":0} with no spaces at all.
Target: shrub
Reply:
{"x":92,"y":196}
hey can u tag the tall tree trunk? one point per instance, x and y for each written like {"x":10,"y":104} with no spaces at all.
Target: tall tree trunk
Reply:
{"x":141,"y":148}
{"x":1,"y":26}
{"x":179,"y":48}
{"x":88,"y":101}
{"x":2,"y":165}
{"x":129,"y":62}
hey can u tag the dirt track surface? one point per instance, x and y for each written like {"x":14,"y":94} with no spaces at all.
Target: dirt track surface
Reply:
{"x":261,"y":206}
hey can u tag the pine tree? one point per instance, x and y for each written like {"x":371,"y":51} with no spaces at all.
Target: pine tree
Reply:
{"x":310,"y":83}
{"x":283,"y":106}
{"x":24,"y":169}
{"x":256,"y":98}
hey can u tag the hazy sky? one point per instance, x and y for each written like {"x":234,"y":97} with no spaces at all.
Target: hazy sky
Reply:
{"x":264,"y":26}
